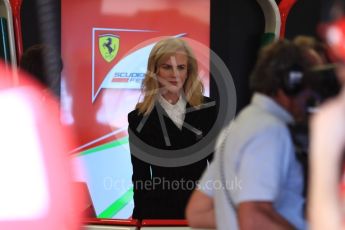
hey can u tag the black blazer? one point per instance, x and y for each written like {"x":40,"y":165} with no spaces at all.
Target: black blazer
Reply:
{"x":168,"y":198}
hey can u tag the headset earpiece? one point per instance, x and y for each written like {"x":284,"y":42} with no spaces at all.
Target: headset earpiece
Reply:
{"x":293,"y":80}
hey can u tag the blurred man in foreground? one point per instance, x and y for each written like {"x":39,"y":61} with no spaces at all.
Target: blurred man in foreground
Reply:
{"x":326,"y":207}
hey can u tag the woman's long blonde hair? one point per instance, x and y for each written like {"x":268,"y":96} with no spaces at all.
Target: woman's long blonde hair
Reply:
{"x":192,"y":87}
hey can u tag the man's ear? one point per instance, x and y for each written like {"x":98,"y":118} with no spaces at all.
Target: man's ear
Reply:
{"x":282,"y":99}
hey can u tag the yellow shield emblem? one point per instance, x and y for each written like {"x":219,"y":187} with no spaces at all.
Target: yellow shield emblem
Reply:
{"x":108,"y":46}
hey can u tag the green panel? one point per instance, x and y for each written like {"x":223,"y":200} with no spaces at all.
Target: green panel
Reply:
{"x":105,"y":146}
{"x":119,"y":204}
{"x":267,"y":38}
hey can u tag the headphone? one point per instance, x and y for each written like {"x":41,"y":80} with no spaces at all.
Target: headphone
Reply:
{"x":293,"y":80}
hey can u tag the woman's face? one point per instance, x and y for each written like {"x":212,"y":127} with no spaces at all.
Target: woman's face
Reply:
{"x":172,"y":72}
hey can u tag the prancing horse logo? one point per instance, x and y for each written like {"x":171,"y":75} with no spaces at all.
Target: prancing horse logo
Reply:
{"x":108,"y":46}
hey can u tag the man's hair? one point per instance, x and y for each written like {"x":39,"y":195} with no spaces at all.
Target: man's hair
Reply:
{"x":35,"y":61}
{"x":275,"y":63}
{"x":32,"y":61}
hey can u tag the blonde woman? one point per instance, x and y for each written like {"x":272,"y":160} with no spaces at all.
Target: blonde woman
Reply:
{"x":172,"y":96}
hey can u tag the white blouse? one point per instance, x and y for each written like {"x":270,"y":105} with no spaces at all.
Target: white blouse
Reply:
{"x":176,"y":112}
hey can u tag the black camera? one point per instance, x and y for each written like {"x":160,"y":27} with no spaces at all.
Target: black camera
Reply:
{"x":323,"y":82}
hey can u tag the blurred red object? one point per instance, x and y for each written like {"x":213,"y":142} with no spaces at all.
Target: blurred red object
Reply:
{"x":35,"y":170}
{"x":334,"y":35}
